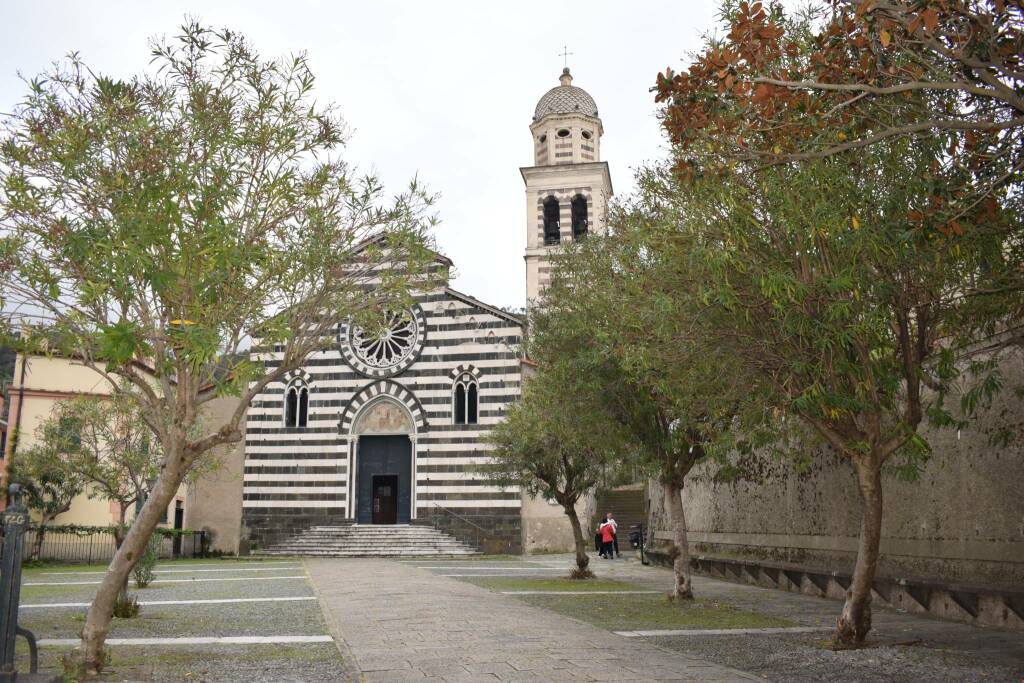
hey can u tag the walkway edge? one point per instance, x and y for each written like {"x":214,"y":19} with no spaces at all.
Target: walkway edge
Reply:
{"x":348,"y":659}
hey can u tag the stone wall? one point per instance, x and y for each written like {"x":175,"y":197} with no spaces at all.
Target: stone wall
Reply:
{"x":214,"y":500}
{"x":265,"y":526}
{"x":961,"y":521}
{"x":546,"y":529}
{"x":492,"y":532}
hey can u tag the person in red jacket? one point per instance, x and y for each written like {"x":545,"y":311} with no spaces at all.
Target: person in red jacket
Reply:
{"x":607,"y":540}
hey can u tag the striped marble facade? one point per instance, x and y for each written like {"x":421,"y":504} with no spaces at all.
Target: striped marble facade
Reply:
{"x":299,"y":470}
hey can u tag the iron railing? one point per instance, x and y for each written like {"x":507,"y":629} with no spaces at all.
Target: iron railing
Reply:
{"x":476,"y":532}
{"x":98,"y":546}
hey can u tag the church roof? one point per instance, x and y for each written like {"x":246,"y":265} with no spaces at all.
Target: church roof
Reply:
{"x":438,"y":256}
{"x":501,"y":313}
{"x":565,"y":99}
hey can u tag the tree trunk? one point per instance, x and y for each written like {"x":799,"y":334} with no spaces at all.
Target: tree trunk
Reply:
{"x":683,"y":589}
{"x":120,"y":530}
{"x":37,"y":547}
{"x":582,"y":559}
{"x":97,"y":620}
{"x":855,"y":620}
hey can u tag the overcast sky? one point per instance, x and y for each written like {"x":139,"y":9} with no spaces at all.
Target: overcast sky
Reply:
{"x":441,"y":89}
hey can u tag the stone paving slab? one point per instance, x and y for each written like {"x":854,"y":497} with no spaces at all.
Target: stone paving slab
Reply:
{"x":400,"y":623}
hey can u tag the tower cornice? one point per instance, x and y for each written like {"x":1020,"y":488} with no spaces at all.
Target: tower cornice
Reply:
{"x":557,"y":174}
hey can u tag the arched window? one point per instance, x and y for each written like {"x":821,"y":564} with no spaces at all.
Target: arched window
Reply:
{"x":459,"y":411}
{"x":579,"y":216}
{"x":551,"y":223}
{"x":580,"y":222}
{"x":471,"y":404}
{"x":465,"y":400}
{"x":296,"y":405}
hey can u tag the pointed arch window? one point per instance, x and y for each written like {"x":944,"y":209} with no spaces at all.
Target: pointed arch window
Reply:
{"x":580,"y":223}
{"x":465,"y":401}
{"x":551,"y":221}
{"x":296,"y":405}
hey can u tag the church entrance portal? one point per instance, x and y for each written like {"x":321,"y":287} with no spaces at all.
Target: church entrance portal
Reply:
{"x":384,"y":480}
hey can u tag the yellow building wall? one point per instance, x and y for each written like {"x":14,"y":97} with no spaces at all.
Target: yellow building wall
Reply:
{"x":49,"y":380}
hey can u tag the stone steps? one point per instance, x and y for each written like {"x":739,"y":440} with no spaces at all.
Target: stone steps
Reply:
{"x":371,"y":540}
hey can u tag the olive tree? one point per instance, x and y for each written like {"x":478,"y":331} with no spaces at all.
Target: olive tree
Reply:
{"x":113,"y":452}
{"x":48,"y":488}
{"x":861,"y":323}
{"x":158,"y":225}
{"x":617,"y":301}
{"x":558,"y":441}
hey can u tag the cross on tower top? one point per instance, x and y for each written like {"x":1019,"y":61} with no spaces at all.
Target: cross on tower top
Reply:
{"x":565,"y":54}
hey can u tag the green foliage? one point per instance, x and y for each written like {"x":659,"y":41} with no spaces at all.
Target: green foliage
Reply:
{"x":126,"y":606}
{"x":622,"y":315}
{"x":553,"y":442}
{"x":143,"y":569}
{"x":102,"y":445}
{"x":47,"y":487}
{"x":819,"y":286}
{"x":162,"y":222}
{"x":167,"y":224}
{"x":861,"y":285}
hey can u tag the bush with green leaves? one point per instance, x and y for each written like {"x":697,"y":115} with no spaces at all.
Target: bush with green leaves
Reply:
{"x":144,"y":568}
{"x":126,"y":606}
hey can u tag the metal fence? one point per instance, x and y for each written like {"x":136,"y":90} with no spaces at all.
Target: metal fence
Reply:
{"x":98,"y":546}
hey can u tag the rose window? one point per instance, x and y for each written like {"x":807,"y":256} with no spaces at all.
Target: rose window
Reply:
{"x":387,"y":345}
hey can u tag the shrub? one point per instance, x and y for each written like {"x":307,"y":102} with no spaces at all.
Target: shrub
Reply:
{"x":126,"y":606}
{"x":143,"y":570}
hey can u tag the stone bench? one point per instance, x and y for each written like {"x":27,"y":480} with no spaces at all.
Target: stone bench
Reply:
{"x":976,"y":604}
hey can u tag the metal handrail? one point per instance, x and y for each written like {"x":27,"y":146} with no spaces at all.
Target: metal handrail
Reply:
{"x":477,"y":528}
{"x":458,"y":516}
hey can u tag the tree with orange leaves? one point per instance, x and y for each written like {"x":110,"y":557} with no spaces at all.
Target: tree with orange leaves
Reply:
{"x":848,"y":182}
{"x":846,"y":74}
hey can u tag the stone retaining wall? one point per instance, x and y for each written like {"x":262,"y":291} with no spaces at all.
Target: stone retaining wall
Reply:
{"x":498,"y":533}
{"x":962,"y":521}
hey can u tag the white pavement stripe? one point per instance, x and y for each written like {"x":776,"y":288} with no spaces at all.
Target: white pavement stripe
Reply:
{"x":278,"y":568}
{"x":474,"y":568}
{"x":181,"y":580}
{"x":722,"y":631}
{"x":217,"y":601}
{"x":496,"y":576}
{"x":226,"y":640}
{"x":578,"y":592}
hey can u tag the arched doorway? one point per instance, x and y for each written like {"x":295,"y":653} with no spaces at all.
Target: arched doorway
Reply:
{"x":384,"y":463}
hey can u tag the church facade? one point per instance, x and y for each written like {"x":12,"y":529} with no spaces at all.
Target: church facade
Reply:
{"x":391,"y":427}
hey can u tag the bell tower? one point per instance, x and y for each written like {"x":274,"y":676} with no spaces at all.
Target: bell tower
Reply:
{"x":568,"y":187}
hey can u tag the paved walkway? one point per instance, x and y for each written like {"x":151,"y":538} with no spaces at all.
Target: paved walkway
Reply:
{"x":401,"y":623}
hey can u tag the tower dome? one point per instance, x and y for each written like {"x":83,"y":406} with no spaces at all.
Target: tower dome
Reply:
{"x":565,"y":99}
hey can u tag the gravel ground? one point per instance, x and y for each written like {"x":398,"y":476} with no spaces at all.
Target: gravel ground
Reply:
{"x":174,"y":621}
{"x":313,"y":663}
{"x":178,"y":590}
{"x":306,"y":663}
{"x":800,"y":658}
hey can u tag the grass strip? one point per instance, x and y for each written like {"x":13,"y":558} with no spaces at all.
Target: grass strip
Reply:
{"x":648,"y":612}
{"x":502,"y":583}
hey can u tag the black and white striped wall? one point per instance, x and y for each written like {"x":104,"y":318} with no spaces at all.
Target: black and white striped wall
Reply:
{"x":298,"y":475}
